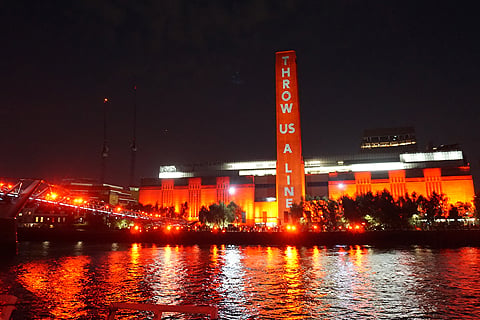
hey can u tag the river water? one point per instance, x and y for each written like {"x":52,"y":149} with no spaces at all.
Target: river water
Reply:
{"x":80,"y":280}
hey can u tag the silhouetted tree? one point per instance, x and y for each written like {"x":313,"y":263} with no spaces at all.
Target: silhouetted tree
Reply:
{"x":234,"y":212}
{"x":408,"y":207}
{"x":183,"y":209}
{"x":220,"y":214}
{"x":388,"y":212}
{"x":296,"y":212}
{"x":203,"y":214}
{"x":368,"y":208}
{"x":330,"y":214}
{"x":476,"y":203}
{"x":350,"y":210}
{"x":453,"y":213}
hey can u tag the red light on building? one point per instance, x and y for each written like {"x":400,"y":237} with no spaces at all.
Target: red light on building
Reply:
{"x":291,"y":228}
{"x":356,"y":228}
{"x":136,"y":229}
{"x":51,"y":196}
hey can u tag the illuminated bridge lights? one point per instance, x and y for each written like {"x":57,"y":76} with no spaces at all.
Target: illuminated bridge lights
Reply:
{"x":80,"y":204}
{"x":291,"y":228}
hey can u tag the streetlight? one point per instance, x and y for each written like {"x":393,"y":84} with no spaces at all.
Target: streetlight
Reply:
{"x":105,"y":146}
{"x":134,"y":138}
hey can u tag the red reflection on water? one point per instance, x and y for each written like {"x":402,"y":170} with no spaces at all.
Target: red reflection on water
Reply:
{"x":57,"y":285}
{"x":121,"y":272}
{"x":462,"y":265}
{"x":357,"y":254}
{"x":319,"y":288}
{"x":292,"y":275}
{"x":258,"y":282}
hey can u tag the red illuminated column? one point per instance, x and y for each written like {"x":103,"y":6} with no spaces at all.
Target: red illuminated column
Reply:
{"x":290,"y":166}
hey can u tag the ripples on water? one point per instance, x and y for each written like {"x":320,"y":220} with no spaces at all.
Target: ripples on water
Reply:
{"x":79,"y":281}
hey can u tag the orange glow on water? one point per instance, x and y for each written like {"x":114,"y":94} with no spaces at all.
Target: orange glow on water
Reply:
{"x":357,"y":254}
{"x":292,"y":278}
{"x":214,"y":254}
{"x":257,"y":282}
{"x":58,"y":285}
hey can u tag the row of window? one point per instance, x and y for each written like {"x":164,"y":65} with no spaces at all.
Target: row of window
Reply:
{"x":387,"y":138}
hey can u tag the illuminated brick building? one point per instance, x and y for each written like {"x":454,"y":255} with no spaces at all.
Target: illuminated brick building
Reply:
{"x":266,"y":190}
{"x":252,"y":185}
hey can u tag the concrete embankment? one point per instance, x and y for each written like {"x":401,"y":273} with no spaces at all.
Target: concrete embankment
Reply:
{"x":438,"y":238}
{"x":8,"y":236}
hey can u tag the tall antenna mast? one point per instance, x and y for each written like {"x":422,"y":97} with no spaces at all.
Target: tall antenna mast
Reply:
{"x":134,"y":139}
{"x":105,"y":146}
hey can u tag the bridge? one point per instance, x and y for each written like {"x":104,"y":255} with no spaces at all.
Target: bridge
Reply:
{"x":15,"y":196}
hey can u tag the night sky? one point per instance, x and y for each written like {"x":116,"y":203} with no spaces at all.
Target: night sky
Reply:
{"x":204,"y":72}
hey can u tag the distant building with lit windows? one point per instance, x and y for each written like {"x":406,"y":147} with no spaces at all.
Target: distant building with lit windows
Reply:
{"x":92,"y":191}
{"x":389,"y":140}
{"x":252,"y":185}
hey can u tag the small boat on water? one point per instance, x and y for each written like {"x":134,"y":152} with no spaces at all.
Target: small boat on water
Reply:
{"x":159,"y":309}
{"x":7,"y":305}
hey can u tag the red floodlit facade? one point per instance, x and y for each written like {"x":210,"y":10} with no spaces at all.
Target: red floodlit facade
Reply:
{"x":457,"y":188}
{"x":290,"y":173}
{"x":255,"y":189}
{"x":266,"y":190}
{"x":197,"y":194}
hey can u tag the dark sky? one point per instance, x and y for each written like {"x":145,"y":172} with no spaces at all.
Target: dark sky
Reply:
{"x":204,"y":72}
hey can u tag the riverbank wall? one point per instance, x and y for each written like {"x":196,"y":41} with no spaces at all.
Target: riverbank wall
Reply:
{"x":438,"y":238}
